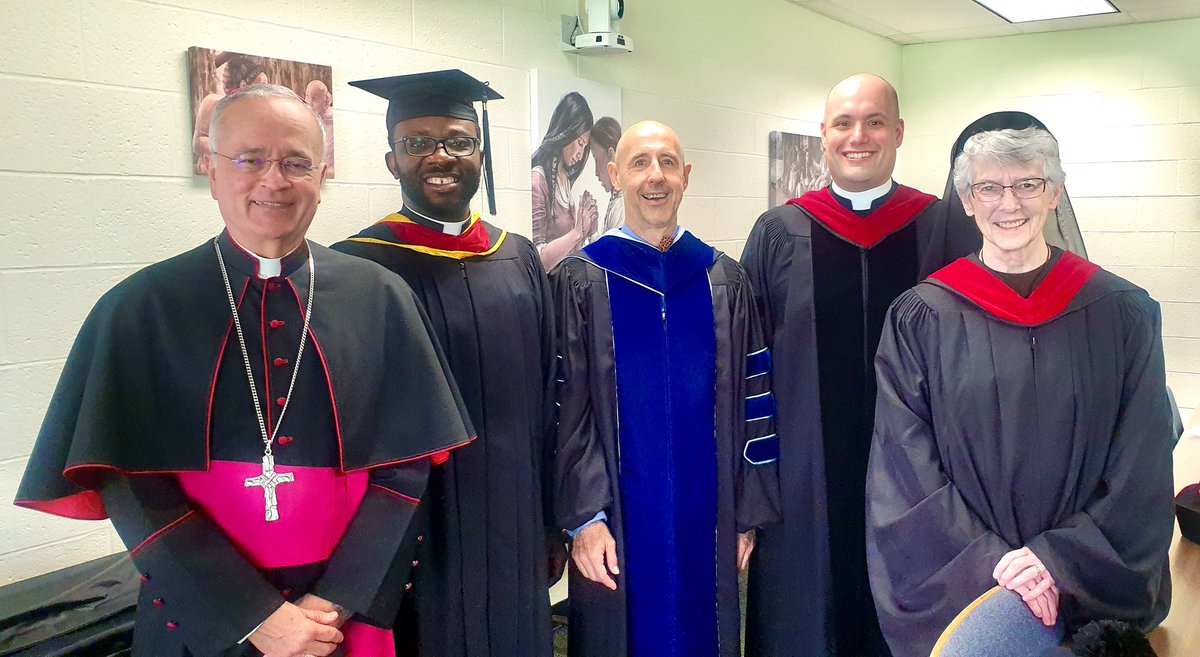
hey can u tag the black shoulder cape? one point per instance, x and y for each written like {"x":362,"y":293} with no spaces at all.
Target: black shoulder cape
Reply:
{"x":136,"y":392}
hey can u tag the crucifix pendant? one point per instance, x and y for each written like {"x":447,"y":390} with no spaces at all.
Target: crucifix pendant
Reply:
{"x":269,"y":479}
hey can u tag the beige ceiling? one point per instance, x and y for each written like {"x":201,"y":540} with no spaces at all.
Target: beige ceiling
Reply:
{"x":924,"y":21}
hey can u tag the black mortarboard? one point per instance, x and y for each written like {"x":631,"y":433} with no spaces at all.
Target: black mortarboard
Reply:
{"x":450,"y":93}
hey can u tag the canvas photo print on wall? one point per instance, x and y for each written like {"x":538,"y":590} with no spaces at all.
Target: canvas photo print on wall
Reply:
{"x":213,"y":74}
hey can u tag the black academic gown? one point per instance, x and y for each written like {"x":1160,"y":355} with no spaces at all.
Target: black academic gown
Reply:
{"x":587,"y":465}
{"x":824,"y":277}
{"x":481,"y":587}
{"x":152,"y":425}
{"x":1005,"y":422}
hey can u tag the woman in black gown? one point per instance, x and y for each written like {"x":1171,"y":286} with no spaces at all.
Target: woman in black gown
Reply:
{"x":1022,"y":433}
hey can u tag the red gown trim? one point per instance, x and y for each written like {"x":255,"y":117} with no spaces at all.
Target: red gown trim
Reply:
{"x":865,"y":232}
{"x":155,"y":536}
{"x":1048,"y":301}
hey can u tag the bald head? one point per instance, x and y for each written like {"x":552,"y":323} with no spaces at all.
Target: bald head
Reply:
{"x":650,"y":172}
{"x":639,"y":133}
{"x":864,"y":85}
{"x":861,"y":131}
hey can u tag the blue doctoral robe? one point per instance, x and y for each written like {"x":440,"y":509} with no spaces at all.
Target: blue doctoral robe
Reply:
{"x":666,"y":426}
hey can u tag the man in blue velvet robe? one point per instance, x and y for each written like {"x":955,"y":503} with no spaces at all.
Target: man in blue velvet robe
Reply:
{"x":666,"y":446}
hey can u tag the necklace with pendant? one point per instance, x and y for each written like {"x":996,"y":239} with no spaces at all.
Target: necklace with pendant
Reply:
{"x":269,"y":479}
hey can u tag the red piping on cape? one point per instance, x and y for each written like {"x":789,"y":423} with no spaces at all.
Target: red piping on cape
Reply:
{"x":337,"y":420}
{"x":865,"y":232}
{"x":1047,"y":302}
{"x":438,"y":457}
{"x":426,"y":455}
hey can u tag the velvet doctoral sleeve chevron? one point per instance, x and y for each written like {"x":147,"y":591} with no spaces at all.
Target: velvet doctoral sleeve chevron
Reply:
{"x":757,"y":450}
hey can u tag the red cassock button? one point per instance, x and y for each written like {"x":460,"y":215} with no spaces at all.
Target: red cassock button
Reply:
{"x":158,"y":602}
{"x":287,"y":593}
{"x":280,"y":362}
{"x":408,"y":587}
{"x":283,"y":440}
{"x":171,"y":625}
{"x":272,"y":286}
{"x":281,"y":401}
{"x":145,"y":578}
{"x":277,"y":323}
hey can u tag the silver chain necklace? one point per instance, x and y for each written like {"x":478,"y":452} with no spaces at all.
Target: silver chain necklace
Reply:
{"x":269,"y":479}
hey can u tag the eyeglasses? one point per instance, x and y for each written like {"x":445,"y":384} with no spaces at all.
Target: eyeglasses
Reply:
{"x":292,"y":167}
{"x":1026,"y":188}
{"x":422,"y":146}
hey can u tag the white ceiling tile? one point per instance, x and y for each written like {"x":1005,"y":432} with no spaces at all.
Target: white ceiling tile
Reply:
{"x":917,"y":21}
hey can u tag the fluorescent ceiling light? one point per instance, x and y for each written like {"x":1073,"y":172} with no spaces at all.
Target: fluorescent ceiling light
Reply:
{"x":1024,"y":11}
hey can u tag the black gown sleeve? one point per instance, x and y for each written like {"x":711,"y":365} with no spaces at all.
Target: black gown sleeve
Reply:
{"x":1110,"y":559}
{"x":928,"y":553}
{"x":549,"y":359}
{"x":212,"y":595}
{"x":368,"y":571}
{"x":581,"y":482}
{"x":757,"y":444}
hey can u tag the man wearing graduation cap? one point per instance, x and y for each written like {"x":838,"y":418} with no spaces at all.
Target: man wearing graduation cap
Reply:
{"x":481,"y":585}
{"x":255,"y":417}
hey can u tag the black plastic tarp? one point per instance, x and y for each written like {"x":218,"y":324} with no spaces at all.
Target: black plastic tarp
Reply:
{"x":82,"y":611}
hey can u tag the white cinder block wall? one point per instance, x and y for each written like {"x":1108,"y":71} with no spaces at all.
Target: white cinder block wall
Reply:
{"x":1124,"y":103}
{"x":96,"y":127}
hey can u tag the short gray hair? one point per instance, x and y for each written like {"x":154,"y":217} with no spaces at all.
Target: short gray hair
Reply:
{"x":259,"y":92}
{"x":1028,"y":147}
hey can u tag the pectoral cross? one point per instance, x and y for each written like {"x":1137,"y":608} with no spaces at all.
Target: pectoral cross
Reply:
{"x":269,"y":479}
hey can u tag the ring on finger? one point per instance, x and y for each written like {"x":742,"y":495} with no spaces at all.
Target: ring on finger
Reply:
{"x":1038,"y":570}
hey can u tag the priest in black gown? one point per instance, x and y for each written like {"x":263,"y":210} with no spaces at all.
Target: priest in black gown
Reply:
{"x":254,"y":416}
{"x":825,"y":267}
{"x":666,"y":447}
{"x":481,"y":588}
{"x":1022,"y":432}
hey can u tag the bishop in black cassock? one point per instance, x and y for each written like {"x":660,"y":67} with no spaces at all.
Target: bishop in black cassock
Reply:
{"x":825,"y":268}
{"x":482,"y":586}
{"x":154,"y":426}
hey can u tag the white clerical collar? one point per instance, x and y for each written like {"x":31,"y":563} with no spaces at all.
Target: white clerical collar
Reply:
{"x":453,"y":228}
{"x":267,"y":267}
{"x":862,"y":200}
